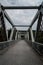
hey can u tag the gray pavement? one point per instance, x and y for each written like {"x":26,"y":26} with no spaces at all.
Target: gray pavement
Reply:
{"x":20,"y":54}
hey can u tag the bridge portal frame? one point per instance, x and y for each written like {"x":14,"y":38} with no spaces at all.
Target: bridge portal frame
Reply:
{"x":25,"y":7}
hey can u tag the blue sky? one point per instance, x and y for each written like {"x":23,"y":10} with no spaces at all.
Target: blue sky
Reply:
{"x":21,"y":17}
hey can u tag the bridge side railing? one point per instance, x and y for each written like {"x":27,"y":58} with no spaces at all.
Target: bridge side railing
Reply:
{"x":6,"y":44}
{"x":38,"y":47}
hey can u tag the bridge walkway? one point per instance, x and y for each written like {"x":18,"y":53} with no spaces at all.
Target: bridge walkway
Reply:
{"x":20,"y":54}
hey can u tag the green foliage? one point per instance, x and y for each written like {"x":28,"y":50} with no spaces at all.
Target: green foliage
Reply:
{"x":39,"y":36}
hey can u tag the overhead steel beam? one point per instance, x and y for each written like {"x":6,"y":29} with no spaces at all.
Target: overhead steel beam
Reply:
{"x":35,"y":18}
{"x":21,"y":7}
{"x":8,"y":18}
{"x":22,"y":25}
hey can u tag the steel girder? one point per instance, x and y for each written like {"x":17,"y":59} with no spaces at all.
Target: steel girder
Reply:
{"x":8,"y":18}
{"x":3,"y":27}
{"x":21,"y":7}
{"x":35,"y":18}
{"x":22,"y":26}
{"x":38,"y":25}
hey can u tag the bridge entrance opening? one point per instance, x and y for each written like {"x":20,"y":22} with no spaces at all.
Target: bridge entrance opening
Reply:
{"x":22,"y":37}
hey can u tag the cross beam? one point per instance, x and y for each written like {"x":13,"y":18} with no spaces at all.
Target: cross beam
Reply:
{"x":21,"y":7}
{"x":22,"y":25}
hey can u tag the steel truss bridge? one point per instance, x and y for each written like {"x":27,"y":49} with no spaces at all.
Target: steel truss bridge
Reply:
{"x":33,"y":38}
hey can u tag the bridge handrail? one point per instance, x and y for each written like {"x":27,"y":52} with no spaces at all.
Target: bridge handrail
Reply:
{"x":38,"y":43}
{"x":7,"y":41}
{"x":6,"y":44}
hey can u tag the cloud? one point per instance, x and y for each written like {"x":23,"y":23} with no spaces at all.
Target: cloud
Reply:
{"x":4,"y":2}
{"x":21,"y":2}
{"x":25,"y":2}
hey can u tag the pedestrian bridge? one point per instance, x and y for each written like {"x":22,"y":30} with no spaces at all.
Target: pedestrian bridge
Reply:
{"x":19,"y":47}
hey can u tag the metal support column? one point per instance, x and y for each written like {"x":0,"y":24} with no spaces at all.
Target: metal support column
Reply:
{"x":32,"y":37}
{"x":16,"y":35}
{"x":3,"y":28}
{"x":11,"y":36}
{"x":38,"y":26}
{"x":28,"y":35}
{"x":7,"y":34}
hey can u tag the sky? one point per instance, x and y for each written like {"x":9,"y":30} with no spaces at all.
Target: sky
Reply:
{"x":21,"y":17}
